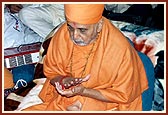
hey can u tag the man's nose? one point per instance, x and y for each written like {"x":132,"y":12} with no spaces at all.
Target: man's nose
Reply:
{"x":76,"y":34}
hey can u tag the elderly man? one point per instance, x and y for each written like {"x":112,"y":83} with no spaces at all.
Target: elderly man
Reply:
{"x":91,"y":66}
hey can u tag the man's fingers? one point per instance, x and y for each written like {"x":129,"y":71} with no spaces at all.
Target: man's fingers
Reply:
{"x":58,"y":87}
{"x":61,"y":91}
{"x":15,"y":8}
{"x":86,"y":78}
{"x":75,"y":81}
{"x":80,"y":80}
{"x":20,"y":6}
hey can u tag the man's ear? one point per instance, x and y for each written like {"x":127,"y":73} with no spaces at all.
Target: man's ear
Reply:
{"x":100,"y":25}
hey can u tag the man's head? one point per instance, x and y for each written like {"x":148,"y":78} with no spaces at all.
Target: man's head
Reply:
{"x":84,"y":22}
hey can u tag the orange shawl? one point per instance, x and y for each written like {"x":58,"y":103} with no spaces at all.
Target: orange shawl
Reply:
{"x":116,"y":71}
{"x":8,"y":79}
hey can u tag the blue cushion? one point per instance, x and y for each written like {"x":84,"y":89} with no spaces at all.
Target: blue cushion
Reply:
{"x":22,"y":75}
{"x":147,"y":96}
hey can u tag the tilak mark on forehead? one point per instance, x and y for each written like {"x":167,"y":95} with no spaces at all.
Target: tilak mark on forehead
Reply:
{"x":74,"y":24}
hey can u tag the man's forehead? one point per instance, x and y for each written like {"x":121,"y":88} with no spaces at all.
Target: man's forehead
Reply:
{"x":77,"y":25}
{"x":74,"y":24}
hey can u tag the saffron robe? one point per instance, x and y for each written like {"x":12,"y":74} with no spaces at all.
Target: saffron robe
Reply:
{"x":8,"y":79}
{"x":114,"y":65}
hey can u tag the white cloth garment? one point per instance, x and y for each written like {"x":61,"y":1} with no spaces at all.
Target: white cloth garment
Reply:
{"x":42,"y":19}
{"x":117,"y":8}
{"x":16,"y":33}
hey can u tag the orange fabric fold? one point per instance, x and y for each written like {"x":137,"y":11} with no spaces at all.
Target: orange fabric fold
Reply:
{"x":115,"y":68}
{"x":88,"y":13}
{"x":8,"y":79}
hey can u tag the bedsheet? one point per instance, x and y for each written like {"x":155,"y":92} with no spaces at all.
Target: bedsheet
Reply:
{"x":146,"y":40}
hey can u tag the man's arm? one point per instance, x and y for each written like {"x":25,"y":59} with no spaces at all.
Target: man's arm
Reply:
{"x":81,"y":90}
{"x":93,"y":93}
{"x":14,"y":8}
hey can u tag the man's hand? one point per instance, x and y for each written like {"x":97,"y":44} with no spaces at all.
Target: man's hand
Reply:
{"x":77,"y":88}
{"x":14,"y":8}
{"x":67,"y":82}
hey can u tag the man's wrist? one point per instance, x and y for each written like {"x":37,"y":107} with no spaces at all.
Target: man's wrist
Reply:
{"x":82,"y":91}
